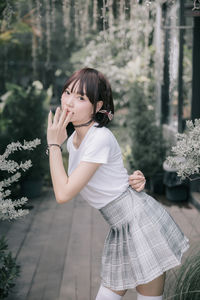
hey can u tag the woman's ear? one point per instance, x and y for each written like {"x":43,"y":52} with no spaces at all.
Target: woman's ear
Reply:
{"x":99,"y":105}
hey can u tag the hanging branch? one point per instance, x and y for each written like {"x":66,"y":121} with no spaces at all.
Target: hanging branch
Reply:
{"x":34,"y":40}
{"x":53,"y":15}
{"x":104,"y":16}
{"x":86,"y":15}
{"x":84,"y":20}
{"x":196,"y":4}
{"x":110,"y":17}
{"x":39,"y":26}
{"x":121,"y":11}
{"x":48,"y":32}
{"x":34,"y":22}
{"x":7,"y":14}
{"x":95,"y":9}
{"x":66,"y":17}
{"x":76,"y":18}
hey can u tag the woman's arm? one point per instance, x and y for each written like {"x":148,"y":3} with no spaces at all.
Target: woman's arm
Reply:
{"x":67,"y":187}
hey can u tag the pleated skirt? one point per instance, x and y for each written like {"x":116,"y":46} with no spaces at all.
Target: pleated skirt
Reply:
{"x":143,"y":241}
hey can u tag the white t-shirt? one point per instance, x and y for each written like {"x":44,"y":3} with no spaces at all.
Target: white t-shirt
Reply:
{"x":111,"y":178}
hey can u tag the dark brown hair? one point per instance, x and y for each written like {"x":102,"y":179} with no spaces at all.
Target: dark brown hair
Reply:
{"x":97,"y":88}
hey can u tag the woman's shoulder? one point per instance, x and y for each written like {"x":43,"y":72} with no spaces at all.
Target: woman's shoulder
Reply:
{"x":103,"y":133}
{"x":103,"y":136}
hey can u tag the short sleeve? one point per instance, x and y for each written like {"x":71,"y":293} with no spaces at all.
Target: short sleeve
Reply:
{"x":98,"y":149}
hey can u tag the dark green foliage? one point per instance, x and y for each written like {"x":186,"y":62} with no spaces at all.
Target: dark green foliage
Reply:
{"x":148,"y":145}
{"x":21,"y":31}
{"x":9,"y":269}
{"x":25,"y":116}
{"x":187,"y":283}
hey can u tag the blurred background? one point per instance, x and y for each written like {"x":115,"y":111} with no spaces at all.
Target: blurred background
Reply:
{"x":148,"y":50}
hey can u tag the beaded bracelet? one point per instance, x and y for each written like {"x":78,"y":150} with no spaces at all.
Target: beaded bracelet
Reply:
{"x":49,"y":145}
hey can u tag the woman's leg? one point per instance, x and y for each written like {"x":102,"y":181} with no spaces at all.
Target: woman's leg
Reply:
{"x":121,"y":293}
{"x":152,"y":288}
{"x":106,"y":293}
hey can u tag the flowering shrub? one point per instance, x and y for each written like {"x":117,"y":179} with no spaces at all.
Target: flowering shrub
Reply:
{"x":186,"y":157}
{"x":11,"y":209}
{"x":122,"y":53}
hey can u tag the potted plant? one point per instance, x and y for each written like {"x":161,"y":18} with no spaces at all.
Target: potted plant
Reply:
{"x":148,"y":145}
{"x":184,"y":160}
{"x":25,"y":111}
{"x":176,"y":189}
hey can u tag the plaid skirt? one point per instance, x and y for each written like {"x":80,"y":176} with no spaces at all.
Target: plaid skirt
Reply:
{"x":143,"y":241}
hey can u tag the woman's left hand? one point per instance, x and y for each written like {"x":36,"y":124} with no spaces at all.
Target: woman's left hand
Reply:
{"x":137,"y":181}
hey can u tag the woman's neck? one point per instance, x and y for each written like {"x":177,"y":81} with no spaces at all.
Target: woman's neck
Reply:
{"x":81,"y":131}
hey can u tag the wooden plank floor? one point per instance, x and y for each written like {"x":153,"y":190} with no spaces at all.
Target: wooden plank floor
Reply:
{"x":59,"y":249}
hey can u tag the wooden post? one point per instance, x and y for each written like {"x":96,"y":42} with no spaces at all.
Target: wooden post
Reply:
{"x":196,"y":70}
{"x":180,"y":67}
{"x":165,"y":85}
{"x":159,"y":62}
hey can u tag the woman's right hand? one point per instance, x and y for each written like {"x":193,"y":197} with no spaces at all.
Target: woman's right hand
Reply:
{"x":56,"y":131}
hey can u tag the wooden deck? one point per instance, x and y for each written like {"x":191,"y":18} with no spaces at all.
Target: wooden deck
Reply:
{"x":59,"y":249}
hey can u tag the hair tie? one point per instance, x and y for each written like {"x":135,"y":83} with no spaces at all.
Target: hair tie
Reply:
{"x":109,"y":114}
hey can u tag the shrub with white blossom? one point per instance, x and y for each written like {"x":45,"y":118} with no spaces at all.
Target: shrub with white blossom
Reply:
{"x":10,"y":209}
{"x":122,"y":53}
{"x":186,"y":157}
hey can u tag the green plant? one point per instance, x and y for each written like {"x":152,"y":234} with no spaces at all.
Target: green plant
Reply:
{"x":148,"y":144}
{"x":24,"y":114}
{"x":186,"y":284}
{"x":9,"y":269}
{"x":11,"y":209}
{"x":186,"y":152}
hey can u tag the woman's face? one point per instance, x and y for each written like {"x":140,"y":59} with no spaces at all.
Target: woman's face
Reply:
{"x":79,"y":105}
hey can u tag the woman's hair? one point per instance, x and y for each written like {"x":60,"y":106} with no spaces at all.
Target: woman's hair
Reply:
{"x":97,"y":88}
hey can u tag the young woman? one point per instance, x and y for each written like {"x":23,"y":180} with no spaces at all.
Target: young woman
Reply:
{"x":144,"y":241}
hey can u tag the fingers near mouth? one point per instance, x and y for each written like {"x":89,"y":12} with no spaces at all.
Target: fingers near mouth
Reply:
{"x":69,"y":115}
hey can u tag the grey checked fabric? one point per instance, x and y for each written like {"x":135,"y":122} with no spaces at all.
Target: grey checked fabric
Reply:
{"x":143,"y":241}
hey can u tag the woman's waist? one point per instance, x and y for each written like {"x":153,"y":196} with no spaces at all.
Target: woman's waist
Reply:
{"x":99,"y":196}
{"x":119,"y":210}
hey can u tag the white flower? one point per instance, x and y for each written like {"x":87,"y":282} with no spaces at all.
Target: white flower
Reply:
{"x":7,"y":206}
{"x":186,"y":159}
{"x":38,"y":85}
{"x":58,"y":72}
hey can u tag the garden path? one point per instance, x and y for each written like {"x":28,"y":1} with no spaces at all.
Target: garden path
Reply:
{"x":59,"y":247}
